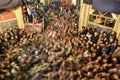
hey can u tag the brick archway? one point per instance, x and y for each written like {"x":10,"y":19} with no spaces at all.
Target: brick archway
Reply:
{"x":8,"y":14}
{"x":1,"y":17}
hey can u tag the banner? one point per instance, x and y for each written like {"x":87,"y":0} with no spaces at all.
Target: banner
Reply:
{"x":112,"y":6}
{"x":88,"y":1}
{"x":5,"y":4}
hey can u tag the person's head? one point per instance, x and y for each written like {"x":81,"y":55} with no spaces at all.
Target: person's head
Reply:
{"x":8,"y":74}
{"x":109,"y":65}
{"x":113,"y":33}
{"x":113,"y":70}
{"x":12,"y":38}
{"x":104,"y":34}
{"x":111,"y":39}
{"x":89,"y":74}
{"x":104,"y":61}
{"x":115,"y":77}
{"x":19,"y":77}
{"x":99,"y":58}
{"x":95,"y":70}
{"x":2,"y":76}
{"x":114,"y":59}
{"x":96,"y":34}
{"x":102,"y":31}
{"x":93,"y":56}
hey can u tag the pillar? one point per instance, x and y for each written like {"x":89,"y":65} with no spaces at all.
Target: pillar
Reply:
{"x":84,"y":14}
{"x":117,"y":26}
{"x":19,"y":17}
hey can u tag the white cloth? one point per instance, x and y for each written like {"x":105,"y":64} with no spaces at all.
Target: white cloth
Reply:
{"x":28,"y":11}
{"x":36,"y":77}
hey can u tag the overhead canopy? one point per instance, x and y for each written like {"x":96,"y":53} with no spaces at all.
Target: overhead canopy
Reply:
{"x":5,"y":4}
{"x":112,"y":6}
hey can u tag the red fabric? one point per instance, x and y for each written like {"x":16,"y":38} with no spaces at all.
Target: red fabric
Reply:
{"x":21,"y":32}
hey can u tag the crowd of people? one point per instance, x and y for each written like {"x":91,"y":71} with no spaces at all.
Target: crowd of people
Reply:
{"x":33,"y":12}
{"x":60,"y":52}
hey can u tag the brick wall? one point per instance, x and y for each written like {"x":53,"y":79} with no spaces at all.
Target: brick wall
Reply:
{"x":66,"y":3}
{"x":7,"y":15}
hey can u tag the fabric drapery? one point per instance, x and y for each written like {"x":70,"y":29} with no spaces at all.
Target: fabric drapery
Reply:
{"x":5,"y":4}
{"x":112,"y":6}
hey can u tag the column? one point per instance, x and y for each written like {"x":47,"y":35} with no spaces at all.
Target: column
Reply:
{"x":19,"y":17}
{"x":117,"y":26}
{"x":84,"y":14}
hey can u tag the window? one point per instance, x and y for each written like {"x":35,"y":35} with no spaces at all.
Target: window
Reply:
{"x":102,"y":18}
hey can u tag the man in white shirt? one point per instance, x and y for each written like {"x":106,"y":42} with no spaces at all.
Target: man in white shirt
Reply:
{"x":30,"y":18}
